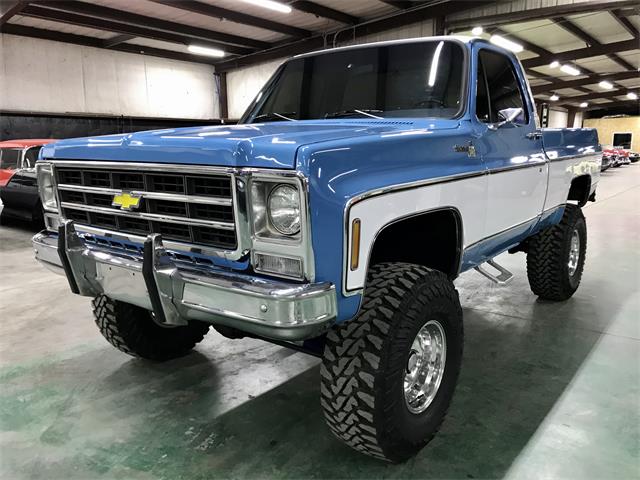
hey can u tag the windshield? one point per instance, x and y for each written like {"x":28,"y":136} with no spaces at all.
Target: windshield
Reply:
{"x":421,"y":79}
{"x":9,"y":158}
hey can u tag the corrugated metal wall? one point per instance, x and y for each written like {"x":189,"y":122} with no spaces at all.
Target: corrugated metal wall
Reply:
{"x":46,"y":76}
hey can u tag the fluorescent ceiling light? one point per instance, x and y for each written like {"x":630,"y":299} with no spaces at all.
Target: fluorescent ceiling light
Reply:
{"x":209,"y":52}
{"x":606,"y":85}
{"x":504,"y":43}
{"x":584,"y":105}
{"x":632,"y":96}
{"x":434,"y":65}
{"x":271,"y":5}
{"x":554,"y":64}
{"x":570,"y":70}
{"x":554,"y":98}
{"x":477,"y":31}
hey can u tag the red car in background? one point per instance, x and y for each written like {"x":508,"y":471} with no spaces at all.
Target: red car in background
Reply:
{"x":19,"y":154}
{"x":618,"y":155}
{"x":18,"y":184}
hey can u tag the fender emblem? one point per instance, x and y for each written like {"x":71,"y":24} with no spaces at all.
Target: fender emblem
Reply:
{"x":469,"y":149}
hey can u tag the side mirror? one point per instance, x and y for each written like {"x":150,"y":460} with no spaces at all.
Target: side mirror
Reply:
{"x":508,"y":115}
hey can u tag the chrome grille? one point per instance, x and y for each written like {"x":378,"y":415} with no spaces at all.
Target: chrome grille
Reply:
{"x":190,"y":208}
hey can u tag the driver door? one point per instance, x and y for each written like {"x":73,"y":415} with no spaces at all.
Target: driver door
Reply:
{"x":512,"y":152}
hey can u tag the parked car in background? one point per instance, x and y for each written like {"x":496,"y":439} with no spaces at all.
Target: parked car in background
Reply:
{"x":18,"y":184}
{"x":606,"y":162}
{"x":633,"y":156}
{"x":614,"y":156}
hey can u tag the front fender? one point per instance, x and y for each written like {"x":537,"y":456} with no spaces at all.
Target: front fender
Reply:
{"x":343,"y":174}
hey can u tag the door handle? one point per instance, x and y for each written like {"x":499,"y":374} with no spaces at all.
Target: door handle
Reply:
{"x":534,"y":135}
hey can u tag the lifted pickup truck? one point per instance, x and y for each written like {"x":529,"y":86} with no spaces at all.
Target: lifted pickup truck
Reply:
{"x":333,"y":219}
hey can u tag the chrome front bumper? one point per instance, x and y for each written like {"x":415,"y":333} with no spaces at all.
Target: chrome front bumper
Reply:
{"x":177,"y":293}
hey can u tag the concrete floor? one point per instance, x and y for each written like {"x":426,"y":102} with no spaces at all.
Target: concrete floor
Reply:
{"x":548,"y":390}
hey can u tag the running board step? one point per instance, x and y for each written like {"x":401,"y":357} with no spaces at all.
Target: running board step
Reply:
{"x":504,"y":277}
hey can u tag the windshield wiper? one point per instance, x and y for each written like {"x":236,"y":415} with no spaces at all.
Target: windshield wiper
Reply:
{"x":350,"y":113}
{"x":275,"y":116}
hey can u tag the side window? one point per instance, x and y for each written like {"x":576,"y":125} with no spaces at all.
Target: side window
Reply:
{"x":30,"y":157}
{"x":482,"y":96}
{"x":503,"y":87}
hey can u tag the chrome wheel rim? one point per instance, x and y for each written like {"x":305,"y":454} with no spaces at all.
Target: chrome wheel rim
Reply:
{"x":425,"y":366}
{"x":574,"y":253}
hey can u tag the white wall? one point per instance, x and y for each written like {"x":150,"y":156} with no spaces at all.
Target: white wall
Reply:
{"x":558,"y":118}
{"x":45,"y":76}
{"x":577,"y":122}
{"x":244,"y":84}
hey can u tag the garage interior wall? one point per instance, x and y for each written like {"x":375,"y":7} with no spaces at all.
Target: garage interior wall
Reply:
{"x":558,"y":118}
{"x":47,"y":76}
{"x":244,"y":83}
{"x":608,"y":126}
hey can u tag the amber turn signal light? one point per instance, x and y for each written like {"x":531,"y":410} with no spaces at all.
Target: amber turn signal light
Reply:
{"x":355,"y":243}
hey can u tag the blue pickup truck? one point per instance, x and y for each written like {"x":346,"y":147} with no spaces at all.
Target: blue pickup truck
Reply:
{"x":333,"y":219}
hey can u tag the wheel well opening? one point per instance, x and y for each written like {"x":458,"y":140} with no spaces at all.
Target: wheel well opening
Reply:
{"x":431,"y":239}
{"x":579,"y":191}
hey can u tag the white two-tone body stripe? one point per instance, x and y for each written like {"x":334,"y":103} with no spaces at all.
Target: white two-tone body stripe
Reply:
{"x":488,"y":202}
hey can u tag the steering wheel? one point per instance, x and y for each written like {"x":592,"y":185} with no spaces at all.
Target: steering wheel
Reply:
{"x":423,"y":103}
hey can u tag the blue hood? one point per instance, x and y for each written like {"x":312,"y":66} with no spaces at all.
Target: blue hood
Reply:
{"x":270,"y":145}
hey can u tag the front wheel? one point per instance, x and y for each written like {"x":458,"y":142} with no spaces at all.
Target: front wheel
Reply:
{"x":556,"y":255}
{"x":132,"y":330}
{"x":388,"y":375}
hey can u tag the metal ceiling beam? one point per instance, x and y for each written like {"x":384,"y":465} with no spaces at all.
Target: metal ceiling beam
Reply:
{"x":591,"y":41}
{"x":325,"y":12}
{"x":10,"y":8}
{"x":570,"y":55}
{"x":118,"y":39}
{"x":213,"y":11}
{"x":592,"y":80}
{"x":123,"y":28}
{"x":623,"y":104}
{"x":538,"y":51}
{"x":389,"y":22}
{"x":398,"y":4}
{"x":540,"y":13}
{"x":596,"y":95}
{"x":525,"y":43}
{"x":121,"y":16}
{"x":32,"y":32}
{"x":625,"y":23}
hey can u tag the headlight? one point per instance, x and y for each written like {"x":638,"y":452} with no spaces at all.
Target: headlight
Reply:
{"x":45,"y":187}
{"x":284,"y":209}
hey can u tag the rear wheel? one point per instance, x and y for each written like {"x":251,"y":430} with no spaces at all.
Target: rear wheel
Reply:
{"x":132,"y":330}
{"x":388,"y":375}
{"x":556,"y":256}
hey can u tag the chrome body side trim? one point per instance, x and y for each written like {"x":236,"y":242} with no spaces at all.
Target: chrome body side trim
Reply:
{"x":390,"y":189}
{"x":269,"y":308}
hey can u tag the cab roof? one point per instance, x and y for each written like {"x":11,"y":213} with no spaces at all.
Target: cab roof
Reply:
{"x":458,"y":38}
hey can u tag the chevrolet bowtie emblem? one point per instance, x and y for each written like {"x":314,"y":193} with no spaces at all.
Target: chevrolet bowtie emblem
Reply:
{"x":126,"y":201}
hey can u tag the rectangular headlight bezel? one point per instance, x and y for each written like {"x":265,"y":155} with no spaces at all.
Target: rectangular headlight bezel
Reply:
{"x":260,"y":188}
{"x":270,"y":242}
{"x":47,"y":187}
